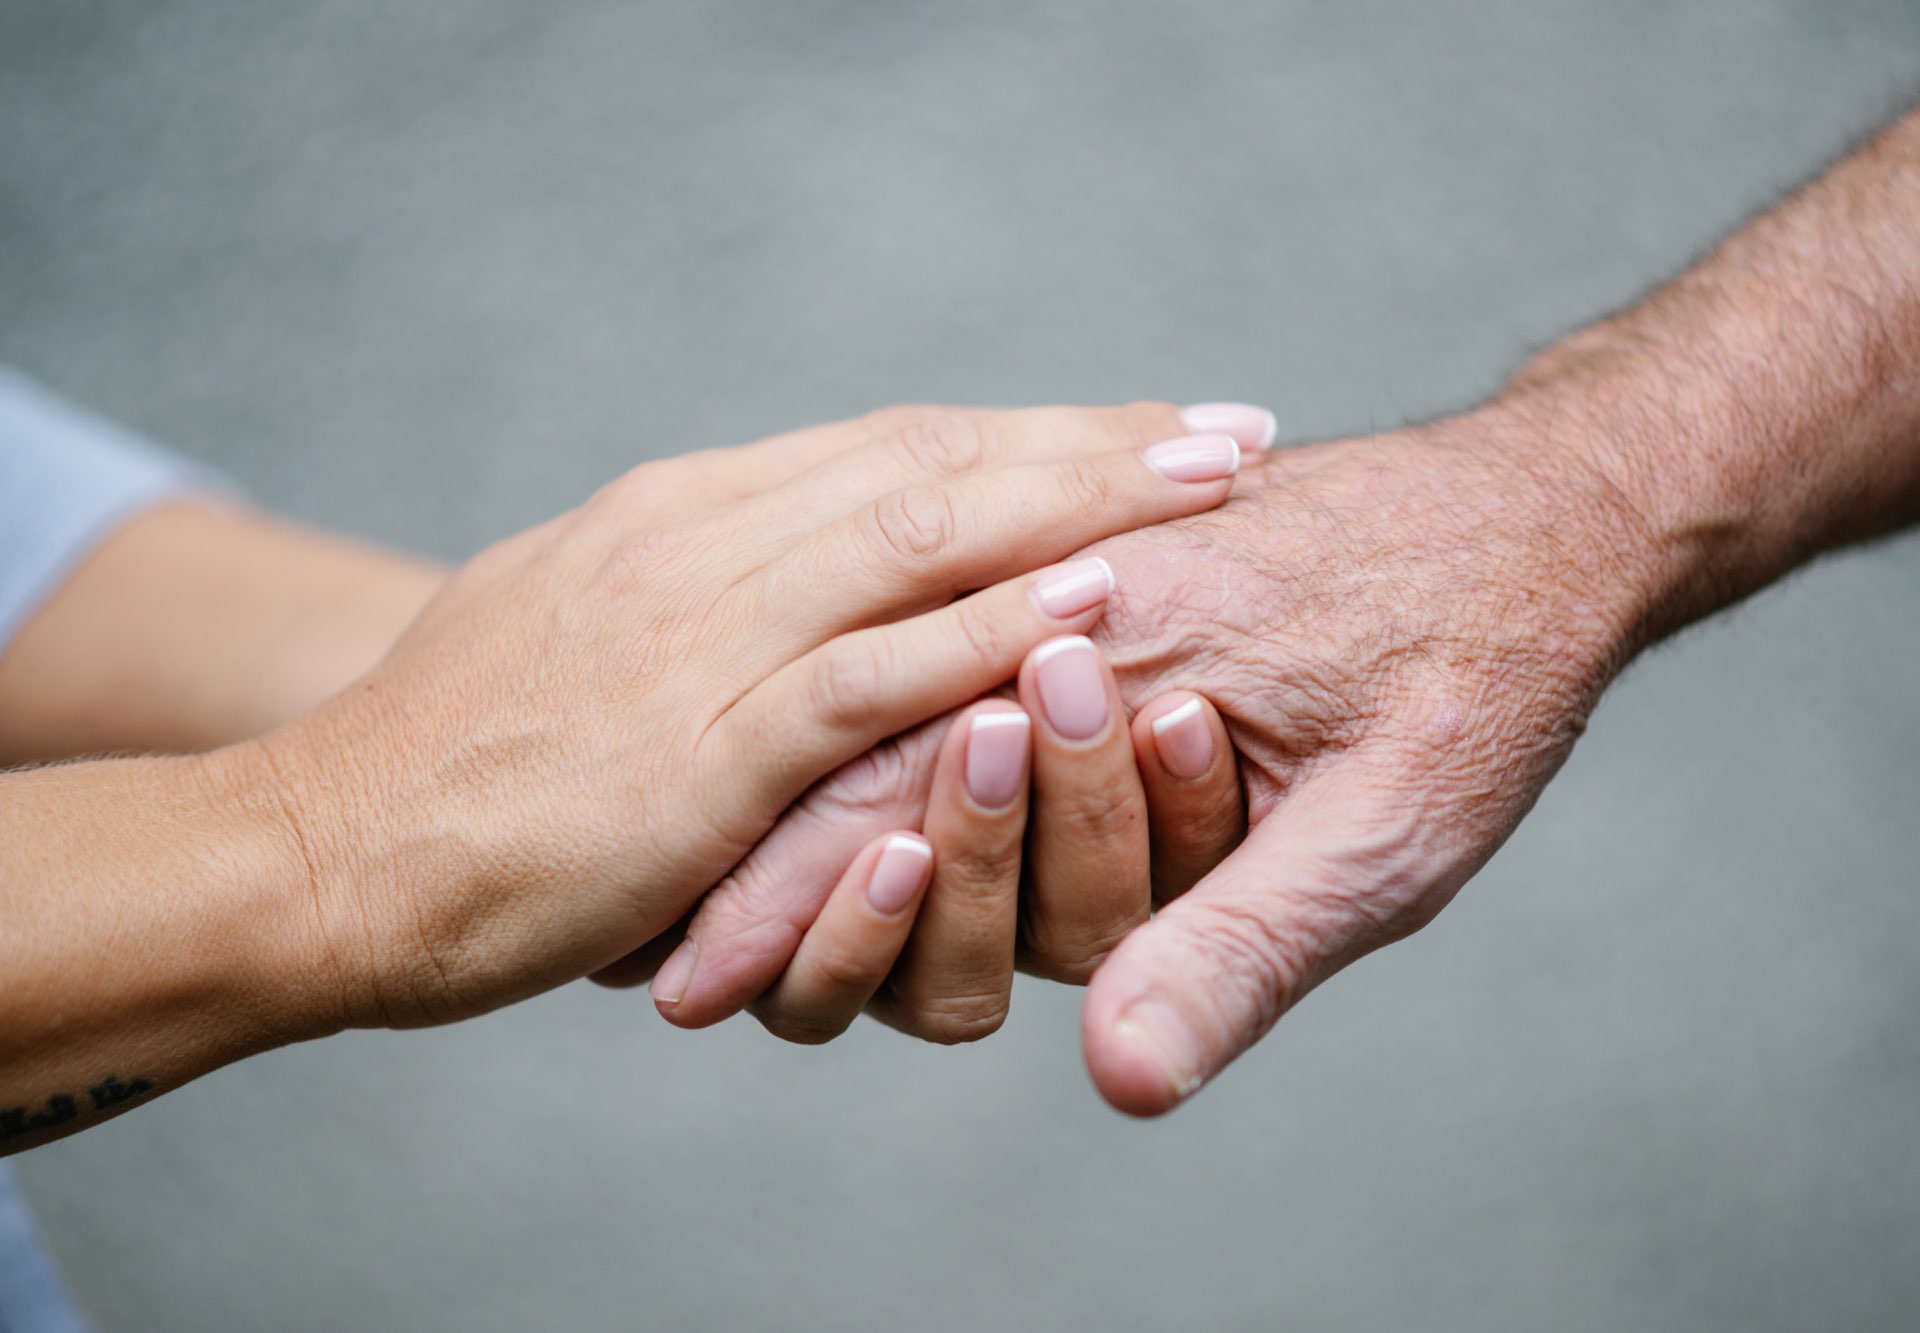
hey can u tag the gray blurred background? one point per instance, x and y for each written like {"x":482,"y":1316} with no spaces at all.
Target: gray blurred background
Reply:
{"x":432,"y":271}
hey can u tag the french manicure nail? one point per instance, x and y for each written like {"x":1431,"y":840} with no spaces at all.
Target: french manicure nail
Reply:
{"x":1072,"y":689}
{"x":1153,"y":1025}
{"x":997,"y":747}
{"x":1184,"y":740}
{"x":899,"y":873}
{"x":1072,"y":589}
{"x":670,"y":982}
{"x":1195,"y":458}
{"x":1254,"y":428}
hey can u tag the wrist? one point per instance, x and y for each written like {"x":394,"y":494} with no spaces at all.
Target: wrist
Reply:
{"x":1678,"y":491}
{"x":331,"y":845}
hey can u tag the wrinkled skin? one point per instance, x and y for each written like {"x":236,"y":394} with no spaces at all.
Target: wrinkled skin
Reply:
{"x":1405,"y":635}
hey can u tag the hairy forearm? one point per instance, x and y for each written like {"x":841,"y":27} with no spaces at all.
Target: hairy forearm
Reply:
{"x":1763,"y":407}
{"x":197,"y":625}
{"x":158,"y":923}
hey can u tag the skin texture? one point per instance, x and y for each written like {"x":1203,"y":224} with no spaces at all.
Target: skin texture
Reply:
{"x":586,"y":726}
{"x":1407,"y":633}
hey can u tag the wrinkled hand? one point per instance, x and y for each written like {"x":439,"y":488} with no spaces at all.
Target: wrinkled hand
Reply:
{"x":1405,"y":635}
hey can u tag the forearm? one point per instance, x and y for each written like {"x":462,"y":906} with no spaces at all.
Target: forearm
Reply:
{"x":1764,"y":406}
{"x":158,"y":923}
{"x":196,"y":625}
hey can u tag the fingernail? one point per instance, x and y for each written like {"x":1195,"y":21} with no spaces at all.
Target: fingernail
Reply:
{"x":1155,"y":1027}
{"x":899,"y":874}
{"x":1071,"y":589}
{"x":997,"y":746}
{"x":1184,"y":740}
{"x":1195,"y":458}
{"x":1072,"y":690}
{"x":670,"y":982}
{"x":1254,"y":428}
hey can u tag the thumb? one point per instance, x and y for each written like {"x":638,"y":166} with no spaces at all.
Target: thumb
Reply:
{"x":1316,"y":885}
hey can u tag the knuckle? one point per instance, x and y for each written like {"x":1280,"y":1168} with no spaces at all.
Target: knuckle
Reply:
{"x":637,"y":560}
{"x":1073,"y":953}
{"x":1105,"y":814}
{"x":914,"y":523}
{"x":986,"y":871}
{"x":848,"y":679}
{"x":896,"y":418}
{"x":983,"y":635}
{"x":944,"y":445}
{"x":849,"y":973}
{"x":1086,"y":488}
{"x":954,"y":1020}
{"x":801,"y":1027}
{"x":1147,"y":420}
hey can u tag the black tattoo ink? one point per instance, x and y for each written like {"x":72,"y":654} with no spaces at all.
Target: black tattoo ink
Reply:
{"x":62,"y":1107}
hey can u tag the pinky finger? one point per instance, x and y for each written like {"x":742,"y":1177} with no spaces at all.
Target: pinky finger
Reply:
{"x":1195,"y":813}
{"x":847,"y":953}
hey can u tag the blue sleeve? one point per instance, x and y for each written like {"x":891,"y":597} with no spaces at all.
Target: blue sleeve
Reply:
{"x":68,"y":478}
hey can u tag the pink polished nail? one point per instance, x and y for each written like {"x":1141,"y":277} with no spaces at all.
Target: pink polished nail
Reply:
{"x":1072,"y":589}
{"x":1195,"y":458}
{"x":997,"y":746}
{"x":1073,"y":691}
{"x":1184,"y":740}
{"x":1253,"y":428}
{"x":900,"y":873}
{"x":670,"y":982}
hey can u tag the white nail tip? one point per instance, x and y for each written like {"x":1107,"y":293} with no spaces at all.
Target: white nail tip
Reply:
{"x":987,"y":721}
{"x":1165,"y":723}
{"x":899,"y":842}
{"x":1107,"y":569}
{"x":1054,"y":647}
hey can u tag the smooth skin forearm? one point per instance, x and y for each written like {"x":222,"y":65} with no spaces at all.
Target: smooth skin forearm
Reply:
{"x":198,"y":624}
{"x":158,"y":923}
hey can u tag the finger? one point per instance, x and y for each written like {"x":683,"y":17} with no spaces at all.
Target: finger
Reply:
{"x":638,"y":967}
{"x":955,"y":978}
{"x":938,"y":448}
{"x":1195,"y":809}
{"x":748,"y":927}
{"x":917,"y":548}
{"x":852,"y":946}
{"x":728,"y":475}
{"x":857,"y":690}
{"x":1330,"y":876}
{"x":1088,"y":874}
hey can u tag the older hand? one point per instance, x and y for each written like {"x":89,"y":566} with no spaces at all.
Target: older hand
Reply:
{"x":1404,"y":634}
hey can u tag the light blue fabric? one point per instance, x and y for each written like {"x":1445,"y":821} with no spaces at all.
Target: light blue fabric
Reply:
{"x":67,"y":479}
{"x":31,"y":1298}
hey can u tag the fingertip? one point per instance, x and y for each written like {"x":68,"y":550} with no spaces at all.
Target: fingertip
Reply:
{"x":996,"y":740}
{"x":1129,"y":1062}
{"x":1179,"y":735}
{"x":902,"y":869}
{"x":720,"y":982}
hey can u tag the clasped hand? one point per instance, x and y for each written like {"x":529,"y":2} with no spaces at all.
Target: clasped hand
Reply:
{"x":596,"y":720}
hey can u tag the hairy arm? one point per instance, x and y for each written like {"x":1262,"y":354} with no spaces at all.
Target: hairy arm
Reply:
{"x":1763,"y":407}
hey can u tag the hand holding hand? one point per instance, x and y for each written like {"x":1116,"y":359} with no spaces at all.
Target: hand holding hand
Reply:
{"x":595,"y":719}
